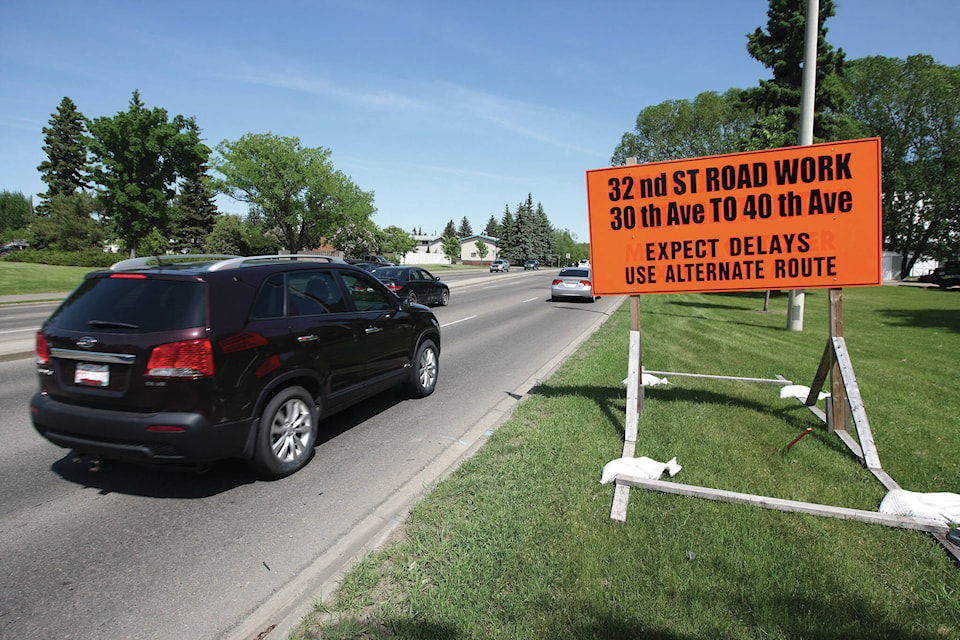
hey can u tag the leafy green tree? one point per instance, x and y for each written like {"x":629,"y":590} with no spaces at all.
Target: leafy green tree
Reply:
{"x":194,"y":212}
{"x":450,"y":231}
{"x":258,"y":237}
{"x":398,"y":242}
{"x":139,"y":155}
{"x":711,"y":124}
{"x":65,"y":144}
{"x":15,"y":211}
{"x":356,"y":239}
{"x":565,"y":243}
{"x":780,"y":48}
{"x":913,"y":105}
{"x":451,"y":248}
{"x":154,"y":244}
{"x":227,"y":237}
{"x":297,"y":188}
{"x":482,"y":250}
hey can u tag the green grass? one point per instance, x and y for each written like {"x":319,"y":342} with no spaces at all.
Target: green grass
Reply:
{"x":24,"y":277}
{"x":517,"y":543}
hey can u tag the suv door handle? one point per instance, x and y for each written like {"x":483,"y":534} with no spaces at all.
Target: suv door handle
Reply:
{"x":309,"y":338}
{"x":373,"y":330}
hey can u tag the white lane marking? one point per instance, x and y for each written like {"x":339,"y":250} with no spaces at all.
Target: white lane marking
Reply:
{"x":19,"y":330}
{"x":458,"y":321}
{"x":531,"y":299}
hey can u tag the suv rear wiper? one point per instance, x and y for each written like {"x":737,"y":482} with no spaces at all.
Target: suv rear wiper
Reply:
{"x":112,"y":323}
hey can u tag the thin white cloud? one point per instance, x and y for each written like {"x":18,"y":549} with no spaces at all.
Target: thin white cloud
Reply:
{"x":314,"y":85}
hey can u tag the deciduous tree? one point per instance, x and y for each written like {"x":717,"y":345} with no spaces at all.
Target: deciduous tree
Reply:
{"x":711,"y":124}
{"x":15,"y":211}
{"x":914,"y":106}
{"x":139,"y":155}
{"x":297,"y":188}
{"x":398,"y":242}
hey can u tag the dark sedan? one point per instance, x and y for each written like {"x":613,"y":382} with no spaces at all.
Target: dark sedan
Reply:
{"x":415,"y":284}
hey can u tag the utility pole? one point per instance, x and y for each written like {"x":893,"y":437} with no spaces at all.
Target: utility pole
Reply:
{"x":808,"y":90}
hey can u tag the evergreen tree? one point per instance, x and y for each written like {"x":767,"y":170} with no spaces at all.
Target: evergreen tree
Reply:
{"x":450,"y":231}
{"x":777,"y":101}
{"x":544,"y":234}
{"x":465,"y":229}
{"x":505,"y":240}
{"x":194,"y":212}
{"x":64,"y":142}
{"x":524,"y":236}
{"x":69,"y":224}
{"x":492,"y":229}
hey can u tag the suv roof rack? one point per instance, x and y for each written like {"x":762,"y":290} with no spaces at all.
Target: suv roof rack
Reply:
{"x":219,"y":261}
{"x":160,"y":261}
{"x":237,"y":262}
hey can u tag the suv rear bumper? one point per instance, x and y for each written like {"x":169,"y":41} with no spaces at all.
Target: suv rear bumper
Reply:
{"x":125,"y":435}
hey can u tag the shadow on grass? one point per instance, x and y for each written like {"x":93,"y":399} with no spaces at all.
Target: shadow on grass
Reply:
{"x":800,"y":616}
{"x":948,"y":319}
{"x":611,"y":401}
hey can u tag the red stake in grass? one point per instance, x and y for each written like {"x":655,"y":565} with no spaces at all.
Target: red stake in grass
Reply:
{"x":809,"y":429}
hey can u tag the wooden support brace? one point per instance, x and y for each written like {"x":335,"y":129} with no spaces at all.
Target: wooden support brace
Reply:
{"x":842,"y":513}
{"x":621,"y":493}
{"x":870,"y":456}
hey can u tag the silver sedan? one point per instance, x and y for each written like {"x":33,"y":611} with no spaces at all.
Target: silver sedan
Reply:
{"x":572,"y":282}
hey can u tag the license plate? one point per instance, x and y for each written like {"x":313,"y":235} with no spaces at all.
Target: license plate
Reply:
{"x":92,"y":375}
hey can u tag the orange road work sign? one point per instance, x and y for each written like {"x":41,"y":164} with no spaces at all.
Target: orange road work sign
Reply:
{"x":794,"y":218}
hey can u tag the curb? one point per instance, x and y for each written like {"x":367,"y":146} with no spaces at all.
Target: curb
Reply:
{"x":285,"y":609}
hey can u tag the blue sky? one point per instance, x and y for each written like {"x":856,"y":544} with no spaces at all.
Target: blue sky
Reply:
{"x":443,"y":109}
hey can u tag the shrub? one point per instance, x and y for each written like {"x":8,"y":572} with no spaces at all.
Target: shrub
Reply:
{"x":90,"y":258}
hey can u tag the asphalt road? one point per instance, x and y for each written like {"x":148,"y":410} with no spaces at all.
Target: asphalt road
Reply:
{"x":136,"y":553}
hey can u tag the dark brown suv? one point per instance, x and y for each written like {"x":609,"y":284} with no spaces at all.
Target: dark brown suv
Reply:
{"x":192,"y":359}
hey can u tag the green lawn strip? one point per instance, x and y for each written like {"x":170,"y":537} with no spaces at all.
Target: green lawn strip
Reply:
{"x":517,"y":543}
{"x":23,"y":277}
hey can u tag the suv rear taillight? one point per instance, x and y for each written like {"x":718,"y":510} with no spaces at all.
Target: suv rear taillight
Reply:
{"x":43,"y":350}
{"x":185,"y":359}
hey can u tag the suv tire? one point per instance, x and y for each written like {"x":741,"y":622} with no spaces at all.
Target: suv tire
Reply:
{"x":424,"y":370}
{"x":287,"y":433}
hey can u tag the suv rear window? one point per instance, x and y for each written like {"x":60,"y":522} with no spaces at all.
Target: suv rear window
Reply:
{"x":136,"y":305}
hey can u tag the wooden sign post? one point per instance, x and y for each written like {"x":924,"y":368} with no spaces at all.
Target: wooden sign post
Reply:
{"x":794,"y":218}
